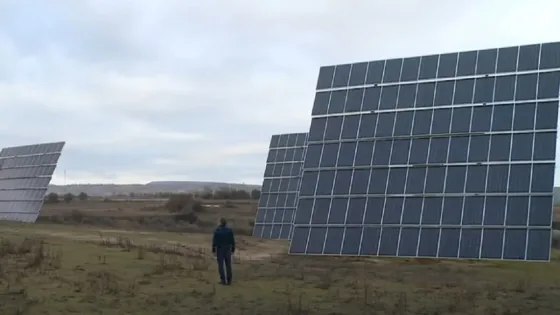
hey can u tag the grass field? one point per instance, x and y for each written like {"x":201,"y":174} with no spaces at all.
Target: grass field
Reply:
{"x":53,"y":268}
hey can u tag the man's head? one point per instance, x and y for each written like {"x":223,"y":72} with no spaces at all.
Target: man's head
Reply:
{"x":223,"y":222}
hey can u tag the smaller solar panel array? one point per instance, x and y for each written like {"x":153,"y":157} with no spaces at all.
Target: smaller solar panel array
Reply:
{"x":279,"y":192}
{"x":25,"y":174}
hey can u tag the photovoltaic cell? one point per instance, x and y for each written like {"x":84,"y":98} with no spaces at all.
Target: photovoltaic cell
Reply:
{"x":280,"y":187}
{"x":449,"y":155}
{"x":25,"y":174}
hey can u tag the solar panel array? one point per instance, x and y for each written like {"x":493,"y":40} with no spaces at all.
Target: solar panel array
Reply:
{"x":277,"y":203}
{"x":449,"y":155}
{"x":25,"y":174}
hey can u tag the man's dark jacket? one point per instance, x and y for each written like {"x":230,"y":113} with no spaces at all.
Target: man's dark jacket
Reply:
{"x":223,"y":238}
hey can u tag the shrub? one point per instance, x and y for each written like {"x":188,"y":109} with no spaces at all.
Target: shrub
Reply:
{"x":197,"y":207}
{"x":189,"y":217}
{"x":180,"y":203}
{"x":83,"y":196}
{"x":52,"y":198}
{"x":556,"y":238}
{"x":68,"y":197}
{"x":77,"y":216}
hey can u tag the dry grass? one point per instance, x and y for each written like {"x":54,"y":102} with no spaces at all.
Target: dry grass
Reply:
{"x":153,"y":273}
{"x":149,"y":215}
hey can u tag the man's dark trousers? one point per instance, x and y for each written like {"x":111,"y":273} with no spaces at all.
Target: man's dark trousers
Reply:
{"x":223,"y":254}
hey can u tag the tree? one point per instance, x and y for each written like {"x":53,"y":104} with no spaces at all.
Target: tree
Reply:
{"x":179,"y":203}
{"x":222,"y":193}
{"x":68,"y":197}
{"x":207,"y":193}
{"x":197,"y":207}
{"x":52,"y":198}
{"x":255,"y":194}
{"x":83,"y":196}
{"x":240,"y":194}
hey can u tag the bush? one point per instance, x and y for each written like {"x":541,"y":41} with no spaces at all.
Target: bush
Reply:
{"x":68,"y":198}
{"x":555,"y":238}
{"x":229,"y":204}
{"x":197,"y":207}
{"x":52,"y":198}
{"x":77,"y":216}
{"x":180,"y":203}
{"x":83,"y":196}
{"x":190,"y":217}
{"x":255,"y":194}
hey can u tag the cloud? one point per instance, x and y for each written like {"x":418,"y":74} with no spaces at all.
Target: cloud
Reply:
{"x":145,"y":90}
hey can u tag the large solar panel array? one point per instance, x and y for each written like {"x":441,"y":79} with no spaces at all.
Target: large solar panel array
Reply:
{"x":25,"y":174}
{"x":449,"y":155}
{"x":282,"y":175}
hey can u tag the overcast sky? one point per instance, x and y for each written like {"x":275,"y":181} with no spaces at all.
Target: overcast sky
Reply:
{"x":147,"y":90}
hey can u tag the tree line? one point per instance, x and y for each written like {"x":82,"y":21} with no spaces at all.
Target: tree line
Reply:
{"x":206,"y":194}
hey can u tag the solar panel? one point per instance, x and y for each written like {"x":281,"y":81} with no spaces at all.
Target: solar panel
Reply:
{"x":25,"y":174}
{"x":448,"y":155}
{"x":280,"y":186}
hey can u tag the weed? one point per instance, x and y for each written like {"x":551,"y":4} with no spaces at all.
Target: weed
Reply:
{"x":141,"y":253}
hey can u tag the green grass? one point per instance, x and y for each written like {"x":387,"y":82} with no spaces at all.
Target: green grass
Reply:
{"x":46,"y":274}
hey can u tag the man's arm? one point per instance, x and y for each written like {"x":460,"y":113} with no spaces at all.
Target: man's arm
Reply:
{"x":232,"y":241}
{"x":214,"y":242}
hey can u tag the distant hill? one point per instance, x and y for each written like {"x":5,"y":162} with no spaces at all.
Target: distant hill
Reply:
{"x":149,"y":188}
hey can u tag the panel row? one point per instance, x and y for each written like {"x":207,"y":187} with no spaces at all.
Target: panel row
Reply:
{"x":21,"y":206}
{"x":278,"y":200}
{"x":436,"y":150}
{"x":285,"y":155}
{"x":22,"y":183}
{"x":273,"y":231}
{"x":27,"y":172}
{"x":470,"y":210}
{"x":276,"y":215}
{"x":285,"y":185}
{"x":283,"y":170}
{"x":19,"y":217}
{"x":31,"y":160}
{"x":526,"y":87}
{"x":473,"y":243}
{"x":456,"y":179}
{"x":496,"y":118}
{"x":22,"y":195}
{"x":42,"y":148}
{"x":288,"y":140}
{"x":468,"y":63}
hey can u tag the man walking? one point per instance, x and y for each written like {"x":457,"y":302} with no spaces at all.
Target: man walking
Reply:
{"x":223,"y":245}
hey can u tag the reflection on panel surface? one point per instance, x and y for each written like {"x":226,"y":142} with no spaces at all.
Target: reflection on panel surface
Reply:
{"x":449,"y":155}
{"x":25,"y":173}
{"x":280,"y":187}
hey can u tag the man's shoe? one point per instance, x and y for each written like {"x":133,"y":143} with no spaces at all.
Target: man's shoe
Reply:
{"x":223,"y":282}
